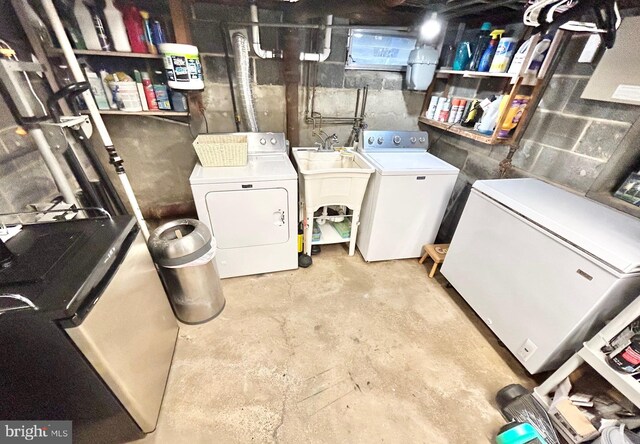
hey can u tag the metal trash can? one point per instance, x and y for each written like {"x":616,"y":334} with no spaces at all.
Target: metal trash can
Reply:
{"x":185,"y":252}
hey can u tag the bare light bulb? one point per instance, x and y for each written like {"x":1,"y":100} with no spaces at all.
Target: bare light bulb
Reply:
{"x":431,"y":28}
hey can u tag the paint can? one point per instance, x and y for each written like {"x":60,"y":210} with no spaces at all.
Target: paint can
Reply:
{"x":182,"y":66}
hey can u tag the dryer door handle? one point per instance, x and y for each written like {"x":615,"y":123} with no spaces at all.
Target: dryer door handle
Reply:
{"x":279,"y":218}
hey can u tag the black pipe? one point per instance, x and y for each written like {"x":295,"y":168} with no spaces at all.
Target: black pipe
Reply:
{"x":224,"y":31}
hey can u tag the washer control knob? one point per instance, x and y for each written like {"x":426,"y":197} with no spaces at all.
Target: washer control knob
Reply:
{"x":371,"y":140}
{"x":263,"y":141}
{"x":413,"y":140}
{"x":423,"y":140}
{"x":397,"y":140}
{"x":380,"y":140}
{"x":273,"y":141}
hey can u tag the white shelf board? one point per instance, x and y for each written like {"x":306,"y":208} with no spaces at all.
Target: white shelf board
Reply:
{"x":329,"y":235}
{"x":626,"y":384}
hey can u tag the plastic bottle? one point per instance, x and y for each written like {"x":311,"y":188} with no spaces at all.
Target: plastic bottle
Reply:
{"x":116,"y":27}
{"x":135,"y":29}
{"x":103,"y":37}
{"x":161,"y":91}
{"x":487,"y":57}
{"x":148,"y":35}
{"x":157,"y":33}
{"x":513,"y":116}
{"x":148,"y":91}
{"x":504,"y":52}
{"x":482,"y":41}
{"x":463,"y":56}
{"x":178,"y":101}
{"x":490,"y":117}
{"x":85,"y":23}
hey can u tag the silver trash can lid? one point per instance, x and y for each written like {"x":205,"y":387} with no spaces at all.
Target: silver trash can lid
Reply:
{"x":180,"y":242}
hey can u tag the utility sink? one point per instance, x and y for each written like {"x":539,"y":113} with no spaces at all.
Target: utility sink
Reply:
{"x":337,"y":177}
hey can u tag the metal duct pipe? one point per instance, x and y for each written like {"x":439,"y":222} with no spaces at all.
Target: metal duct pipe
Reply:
{"x":255,"y":36}
{"x":241,"y":61}
{"x":324,"y":55}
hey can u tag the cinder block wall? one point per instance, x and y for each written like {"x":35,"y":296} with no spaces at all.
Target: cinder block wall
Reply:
{"x":567,"y":143}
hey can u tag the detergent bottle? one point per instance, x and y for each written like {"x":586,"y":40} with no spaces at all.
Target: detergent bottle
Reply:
{"x":481,"y":43}
{"x":487,"y":57}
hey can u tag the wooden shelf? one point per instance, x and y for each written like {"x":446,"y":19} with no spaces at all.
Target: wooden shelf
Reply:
{"x":141,"y":113}
{"x":89,"y":52}
{"x":476,"y":74}
{"x":462,"y":131}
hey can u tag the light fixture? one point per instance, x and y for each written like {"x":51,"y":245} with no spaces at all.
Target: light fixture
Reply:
{"x":431,"y":28}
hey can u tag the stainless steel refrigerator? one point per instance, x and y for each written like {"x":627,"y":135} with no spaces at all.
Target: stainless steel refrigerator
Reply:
{"x":86,"y":330}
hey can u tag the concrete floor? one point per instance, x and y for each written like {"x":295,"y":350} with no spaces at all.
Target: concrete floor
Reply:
{"x":343,"y":351}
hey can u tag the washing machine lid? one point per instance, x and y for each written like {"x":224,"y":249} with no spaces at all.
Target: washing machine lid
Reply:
{"x":396,"y":164}
{"x":258,"y":167}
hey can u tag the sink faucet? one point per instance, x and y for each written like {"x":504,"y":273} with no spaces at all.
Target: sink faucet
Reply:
{"x":327,"y":142}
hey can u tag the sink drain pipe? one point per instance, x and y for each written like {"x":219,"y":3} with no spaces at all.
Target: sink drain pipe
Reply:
{"x":78,"y":75}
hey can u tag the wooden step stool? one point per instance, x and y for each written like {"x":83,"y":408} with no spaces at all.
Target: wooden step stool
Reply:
{"x":437,"y":252}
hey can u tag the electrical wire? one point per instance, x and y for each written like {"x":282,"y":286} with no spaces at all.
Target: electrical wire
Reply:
{"x":26,"y":77}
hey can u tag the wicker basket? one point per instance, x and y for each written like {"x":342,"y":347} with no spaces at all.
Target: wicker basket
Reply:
{"x":215,"y":150}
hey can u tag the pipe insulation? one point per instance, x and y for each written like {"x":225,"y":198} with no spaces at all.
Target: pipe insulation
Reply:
{"x":326,"y":51}
{"x":78,"y":75}
{"x":243,"y":80}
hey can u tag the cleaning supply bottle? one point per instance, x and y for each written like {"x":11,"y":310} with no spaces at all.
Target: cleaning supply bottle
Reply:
{"x":513,"y":116}
{"x":67,"y":17}
{"x":487,"y":57}
{"x":158,"y":33}
{"x":482,"y":41}
{"x":98,"y":24}
{"x":116,"y":27}
{"x":490,"y":117}
{"x":148,"y":35}
{"x":85,"y":23}
{"x":463,"y":56}
{"x":161,"y":91}
{"x":148,"y":91}
{"x":135,"y":29}
{"x":504,"y":52}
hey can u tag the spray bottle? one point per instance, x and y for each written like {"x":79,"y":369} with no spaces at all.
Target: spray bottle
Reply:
{"x":487,"y":57}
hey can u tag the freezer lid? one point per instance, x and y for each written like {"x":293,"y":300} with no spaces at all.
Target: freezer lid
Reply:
{"x":258,"y":167}
{"x":409,"y":163}
{"x":607,"y":234}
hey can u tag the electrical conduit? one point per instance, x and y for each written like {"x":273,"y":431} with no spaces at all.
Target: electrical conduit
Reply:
{"x":78,"y":75}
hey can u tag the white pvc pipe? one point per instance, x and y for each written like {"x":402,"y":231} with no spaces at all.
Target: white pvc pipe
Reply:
{"x":54,"y":166}
{"x":324,"y":55}
{"x":78,"y":75}
{"x":255,"y":38}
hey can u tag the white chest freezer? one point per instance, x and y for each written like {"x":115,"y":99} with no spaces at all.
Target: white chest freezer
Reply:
{"x":542,"y":267}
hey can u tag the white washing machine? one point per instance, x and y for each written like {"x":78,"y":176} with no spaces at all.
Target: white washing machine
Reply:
{"x":406,"y":197}
{"x":252,"y":210}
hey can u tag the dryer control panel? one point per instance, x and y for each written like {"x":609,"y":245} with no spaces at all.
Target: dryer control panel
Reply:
{"x":393,"y":140}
